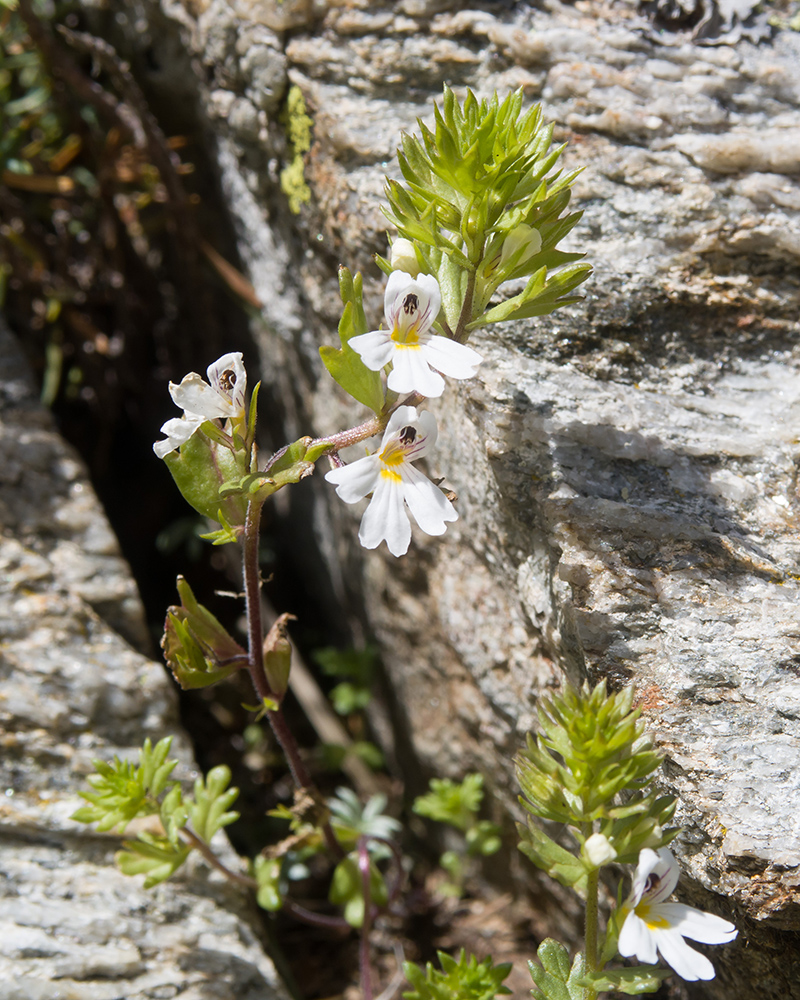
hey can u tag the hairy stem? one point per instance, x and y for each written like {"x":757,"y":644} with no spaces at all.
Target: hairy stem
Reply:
{"x":366,"y":926}
{"x":591,"y":928}
{"x":466,"y":316}
{"x":255,"y":653}
{"x":213,"y":860}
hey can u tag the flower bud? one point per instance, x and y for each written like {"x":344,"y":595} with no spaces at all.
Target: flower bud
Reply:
{"x":598,"y":850}
{"x":404,"y":257}
{"x":521,"y":236}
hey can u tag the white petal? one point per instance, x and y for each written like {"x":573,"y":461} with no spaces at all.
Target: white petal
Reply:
{"x":450,"y":358}
{"x":385,"y":518}
{"x":429,"y":506}
{"x":376,"y":348}
{"x":355,"y":480}
{"x":667,"y":872}
{"x":403,"y":416}
{"x":696,"y":924}
{"x":688,"y":963}
{"x":648,"y":860}
{"x":636,"y":939}
{"x":411,"y":373}
{"x":398,"y":282}
{"x":178,"y":431}
{"x":234,"y":385}
{"x":432,"y":294}
{"x":427,"y":432}
{"x":196,"y":396}
{"x":429,"y":296}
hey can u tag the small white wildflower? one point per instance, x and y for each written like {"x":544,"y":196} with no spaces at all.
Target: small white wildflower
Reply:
{"x":652,"y":925}
{"x":394,"y":483}
{"x":222,"y":397}
{"x":411,"y":306}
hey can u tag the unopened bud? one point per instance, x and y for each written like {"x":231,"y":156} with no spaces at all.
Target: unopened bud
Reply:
{"x":598,"y":850}
{"x":521,"y":236}
{"x":404,"y":257}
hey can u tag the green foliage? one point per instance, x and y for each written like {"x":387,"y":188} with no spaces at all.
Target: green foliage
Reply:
{"x":345,"y":366}
{"x":554,"y":978}
{"x":153,"y":856}
{"x":589,"y":768}
{"x":452,"y":802}
{"x":546,"y":854}
{"x":351,"y":820}
{"x":209,"y":811}
{"x":124,"y":791}
{"x":462,"y":979}
{"x":632,"y":982}
{"x":347,"y":889}
{"x":286,"y":467}
{"x":357,"y":666}
{"x":198,"y":650}
{"x":486,"y":174}
{"x":298,"y":133}
{"x":200,"y":467}
{"x":267,"y":872}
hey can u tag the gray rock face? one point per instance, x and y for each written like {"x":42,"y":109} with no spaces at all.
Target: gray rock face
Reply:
{"x":71,"y":925}
{"x":626,"y":469}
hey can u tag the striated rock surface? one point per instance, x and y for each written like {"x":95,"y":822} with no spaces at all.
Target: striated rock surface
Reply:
{"x":71,"y":690}
{"x":626,"y":469}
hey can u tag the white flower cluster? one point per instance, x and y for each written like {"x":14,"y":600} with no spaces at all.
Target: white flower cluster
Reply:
{"x":418,"y":359}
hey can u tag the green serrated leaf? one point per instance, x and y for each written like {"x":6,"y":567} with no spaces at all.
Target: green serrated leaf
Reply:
{"x":641,"y":979}
{"x":212,"y":797}
{"x":551,"y":857}
{"x":464,"y":978}
{"x":152,"y":856}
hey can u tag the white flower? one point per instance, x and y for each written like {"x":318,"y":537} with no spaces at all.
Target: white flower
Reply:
{"x":222,"y":397}
{"x":411,"y":306}
{"x":394,"y":482}
{"x":653,"y":924}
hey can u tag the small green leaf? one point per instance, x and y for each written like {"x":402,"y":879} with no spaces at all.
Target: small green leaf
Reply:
{"x":345,"y":366}
{"x":267,"y":873}
{"x":347,"y":889}
{"x":554,"y":979}
{"x":551,"y":857}
{"x":208,"y":813}
{"x":641,"y":979}
{"x":152,"y":856}
{"x":200,"y":467}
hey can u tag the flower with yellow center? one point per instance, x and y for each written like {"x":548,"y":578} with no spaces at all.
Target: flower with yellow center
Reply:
{"x":395,"y":484}
{"x":653,"y":925}
{"x":221,"y":398}
{"x":417,"y":356}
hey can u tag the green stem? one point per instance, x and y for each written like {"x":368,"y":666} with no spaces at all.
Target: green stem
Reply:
{"x":591,"y":928}
{"x":466,"y":316}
